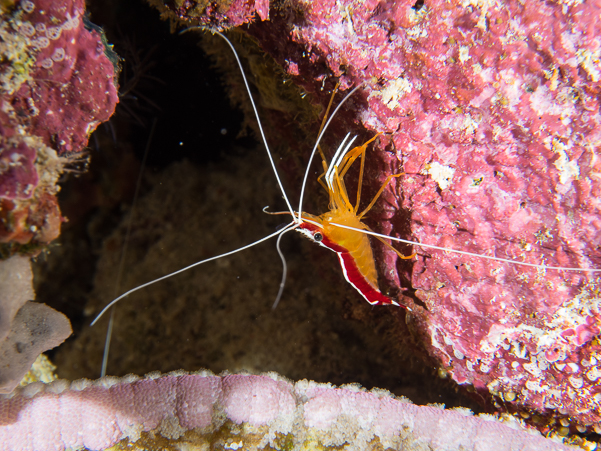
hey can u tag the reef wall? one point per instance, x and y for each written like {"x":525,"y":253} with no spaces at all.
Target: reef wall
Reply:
{"x":492,"y":112}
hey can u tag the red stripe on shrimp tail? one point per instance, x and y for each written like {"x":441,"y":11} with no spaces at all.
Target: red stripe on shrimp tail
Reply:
{"x":349,"y":266}
{"x":356,"y":279}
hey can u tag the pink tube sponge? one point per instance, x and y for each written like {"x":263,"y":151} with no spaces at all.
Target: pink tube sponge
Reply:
{"x":202,"y":409}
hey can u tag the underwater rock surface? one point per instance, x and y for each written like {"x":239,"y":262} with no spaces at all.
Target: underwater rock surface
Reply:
{"x":241,"y":411}
{"x":56,"y":85}
{"x":26,"y":328}
{"x":492,"y":111}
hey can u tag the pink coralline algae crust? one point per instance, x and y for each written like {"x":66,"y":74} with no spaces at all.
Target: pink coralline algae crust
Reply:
{"x":17,"y":176}
{"x":218,"y":15}
{"x":272,"y":411}
{"x":492,"y":111}
{"x":56,"y":85}
{"x":69,"y":87}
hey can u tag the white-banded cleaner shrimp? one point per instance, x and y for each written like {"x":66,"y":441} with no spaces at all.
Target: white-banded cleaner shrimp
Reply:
{"x":334,"y":174}
{"x":222,"y":318}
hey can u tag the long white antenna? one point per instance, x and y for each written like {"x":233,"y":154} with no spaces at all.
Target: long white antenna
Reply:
{"x":472,"y":254}
{"x":109,"y":329}
{"x":323,"y":130}
{"x":284,"y":265}
{"x":275,"y":171}
{"x":336,"y":162}
{"x":189,"y":267}
{"x":279,"y":232}
{"x":290,"y":226}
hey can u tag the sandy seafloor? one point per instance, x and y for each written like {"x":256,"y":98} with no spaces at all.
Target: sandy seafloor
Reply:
{"x":199,"y":199}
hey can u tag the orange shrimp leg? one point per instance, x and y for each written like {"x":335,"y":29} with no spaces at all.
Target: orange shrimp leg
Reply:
{"x":369,"y":207}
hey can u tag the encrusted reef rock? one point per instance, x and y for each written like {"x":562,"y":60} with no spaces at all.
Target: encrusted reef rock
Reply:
{"x":492,"y":111}
{"x":237,"y":411}
{"x":56,"y":85}
{"x":217,"y":14}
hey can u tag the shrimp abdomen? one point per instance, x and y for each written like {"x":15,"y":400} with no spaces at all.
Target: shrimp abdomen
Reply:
{"x":355,"y":254}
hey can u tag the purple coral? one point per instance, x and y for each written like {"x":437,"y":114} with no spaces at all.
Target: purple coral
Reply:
{"x":204,"y":410}
{"x":492,"y":110}
{"x":56,"y":85}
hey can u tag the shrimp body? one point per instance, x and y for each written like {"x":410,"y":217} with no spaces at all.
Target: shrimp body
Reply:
{"x":353,"y":249}
{"x":352,"y":246}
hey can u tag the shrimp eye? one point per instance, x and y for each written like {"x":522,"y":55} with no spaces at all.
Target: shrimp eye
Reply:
{"x":318,"y":237}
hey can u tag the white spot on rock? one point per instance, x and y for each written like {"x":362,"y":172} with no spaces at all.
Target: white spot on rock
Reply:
{"x":53,"y":33}
{"x":28,"y":6}
{"x":58,"y":55}
{"x":27,"y":29}
{"x":533,"y":369}
{"x":394,"y":91}
{"x":576,"y":382}
{"x":590,"y":62}
{"x":443,"y":175}
{"x":568,"y":170}
{"x":593,"y":374}
{"x":41,"y":42}
{"x":535,"y":386}
{"x":573,"y":367}
{"x":464,"y":53}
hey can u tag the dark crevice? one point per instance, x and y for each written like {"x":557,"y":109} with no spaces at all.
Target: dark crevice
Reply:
{"x":418,"y":5}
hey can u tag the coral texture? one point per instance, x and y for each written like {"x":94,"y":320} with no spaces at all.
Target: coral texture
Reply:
{"x":27,"y":328}
{"x":492,"y":111}
{"x":56,"y":85}
{"x":241,"y":411}
{"x":217,"y":14}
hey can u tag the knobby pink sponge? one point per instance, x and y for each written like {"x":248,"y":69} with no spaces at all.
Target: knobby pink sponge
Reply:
{"x":235,"y":411}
